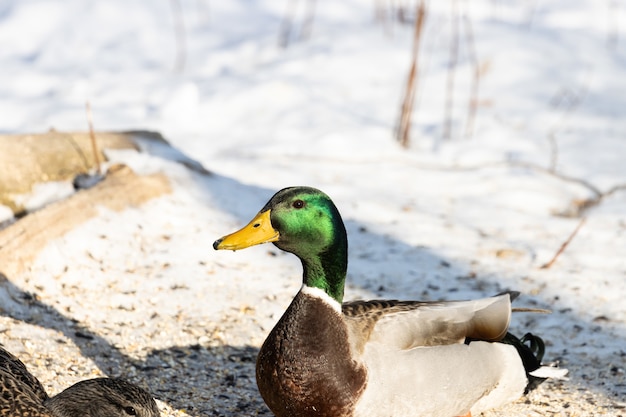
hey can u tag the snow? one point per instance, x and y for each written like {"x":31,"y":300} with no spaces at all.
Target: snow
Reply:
{"x":43,"y":194}
{"x":446,"y":218}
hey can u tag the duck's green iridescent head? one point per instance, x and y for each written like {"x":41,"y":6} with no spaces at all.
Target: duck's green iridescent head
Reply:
{"x":305,"y":222}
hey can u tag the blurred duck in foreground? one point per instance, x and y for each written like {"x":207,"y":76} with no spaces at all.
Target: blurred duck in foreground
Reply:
{"x":22,"y":395}
{"x":377,"y":358}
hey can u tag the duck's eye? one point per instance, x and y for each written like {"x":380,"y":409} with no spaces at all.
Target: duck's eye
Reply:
{"x":130,"y":411}
{"x":298,"y":204}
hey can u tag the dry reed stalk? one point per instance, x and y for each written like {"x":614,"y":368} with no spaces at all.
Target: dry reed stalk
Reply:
{"x":404,"y":123}
{"x":92,"y":136}
{"x":454,"y":56}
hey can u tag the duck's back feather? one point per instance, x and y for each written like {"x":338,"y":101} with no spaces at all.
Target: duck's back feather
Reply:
{"x":12,"y":367}
{"x":21,"y":394}
{"x":409,"y":324}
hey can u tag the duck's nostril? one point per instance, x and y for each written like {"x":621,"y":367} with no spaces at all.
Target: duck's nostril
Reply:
{"x":256,"y":225}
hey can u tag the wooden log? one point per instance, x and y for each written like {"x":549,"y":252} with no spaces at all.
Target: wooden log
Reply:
{"x":21,"y":242}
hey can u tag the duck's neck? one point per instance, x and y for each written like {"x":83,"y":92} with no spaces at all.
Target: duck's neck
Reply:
{"x":327,"y":270}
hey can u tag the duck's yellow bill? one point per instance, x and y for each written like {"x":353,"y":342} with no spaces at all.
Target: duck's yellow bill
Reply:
{"x":258,"y":231}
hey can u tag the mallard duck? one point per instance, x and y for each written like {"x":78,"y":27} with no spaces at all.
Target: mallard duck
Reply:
{"x":381,"y":358}
{"x":22,"y":395}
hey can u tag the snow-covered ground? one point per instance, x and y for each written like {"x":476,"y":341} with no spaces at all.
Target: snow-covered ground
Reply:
{"x":447,"y":218}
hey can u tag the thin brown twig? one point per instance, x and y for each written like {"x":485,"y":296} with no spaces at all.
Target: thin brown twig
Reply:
{"x":92,"y":135}
{"x":564,"y":245}
{"x":578,"y":207}
{"x":530,"y":310}
{"x":404,"y":124}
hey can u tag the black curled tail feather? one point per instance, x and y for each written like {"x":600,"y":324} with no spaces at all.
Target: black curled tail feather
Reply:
{"x":530,"y":349}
